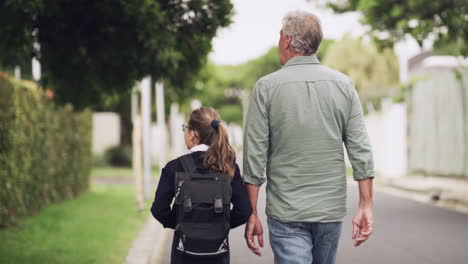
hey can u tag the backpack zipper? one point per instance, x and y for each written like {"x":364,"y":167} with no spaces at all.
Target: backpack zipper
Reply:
{"x":178,"y":189}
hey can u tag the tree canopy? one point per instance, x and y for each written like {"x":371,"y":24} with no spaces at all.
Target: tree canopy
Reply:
{"x":446,"y":21}
{"x":91,"y":51}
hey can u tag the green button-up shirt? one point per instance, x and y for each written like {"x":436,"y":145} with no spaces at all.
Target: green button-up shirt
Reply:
{"x":298,"y":119}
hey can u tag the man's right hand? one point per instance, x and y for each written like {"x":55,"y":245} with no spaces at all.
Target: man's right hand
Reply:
{"x":253,"y":229}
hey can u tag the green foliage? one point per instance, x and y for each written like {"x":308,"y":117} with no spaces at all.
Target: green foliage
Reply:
{"x":220,"y":90}
{"x":119,"y":156}
{"x":391,"y":20}
{"x":255,"y":69}
{"x":323,"y":48}
{"x":96,"y":227}
{"x":231,"y":113}
{"x":369,"y":68}
{"x":45,"y":152}
{"x":92,"y":52}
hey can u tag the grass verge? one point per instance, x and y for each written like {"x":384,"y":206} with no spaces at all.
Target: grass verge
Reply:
{"x":97,"y":227}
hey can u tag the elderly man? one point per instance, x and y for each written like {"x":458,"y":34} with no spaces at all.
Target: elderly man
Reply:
{"x":298,"y":119}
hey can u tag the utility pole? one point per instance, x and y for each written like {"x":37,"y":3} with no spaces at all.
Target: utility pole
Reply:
{"x":136,"y":148}
{"x":160,"y":121}
{"x":17,"y":72}
{"x":145,"y":88}
{"x":36,"y":65}
{"x":36,"y":69}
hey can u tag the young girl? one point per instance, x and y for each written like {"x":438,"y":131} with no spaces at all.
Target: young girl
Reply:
{"x":207,"y":140}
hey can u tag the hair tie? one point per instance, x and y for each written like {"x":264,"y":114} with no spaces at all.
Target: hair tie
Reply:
{"x":215,"y":123}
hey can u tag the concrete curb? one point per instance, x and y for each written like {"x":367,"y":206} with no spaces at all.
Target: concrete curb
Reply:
{"x":147,"y":247}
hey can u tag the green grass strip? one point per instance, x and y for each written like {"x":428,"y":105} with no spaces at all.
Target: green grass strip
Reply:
{"x":97,"y":227}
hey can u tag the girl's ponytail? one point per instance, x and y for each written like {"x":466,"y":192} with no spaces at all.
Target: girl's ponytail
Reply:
{"x":220,"y":156}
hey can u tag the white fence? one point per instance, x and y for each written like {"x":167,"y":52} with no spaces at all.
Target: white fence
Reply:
{"x":106,"y":131}
{"x":439,"y":124}
{"x":387,"y":134}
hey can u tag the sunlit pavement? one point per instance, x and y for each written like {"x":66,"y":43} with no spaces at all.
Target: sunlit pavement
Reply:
{"x":405,"y":231}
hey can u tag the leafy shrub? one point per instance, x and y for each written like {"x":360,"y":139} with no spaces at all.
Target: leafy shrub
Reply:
{"x":119,"y":156}
{"x":231,"y":113}
{"x":45,"y":151}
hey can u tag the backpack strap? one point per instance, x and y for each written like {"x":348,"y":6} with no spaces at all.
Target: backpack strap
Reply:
{"x":187,"y":163}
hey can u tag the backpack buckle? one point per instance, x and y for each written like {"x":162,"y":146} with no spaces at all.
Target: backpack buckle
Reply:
{"x":187,"y":204}
{"x":218,"y":205}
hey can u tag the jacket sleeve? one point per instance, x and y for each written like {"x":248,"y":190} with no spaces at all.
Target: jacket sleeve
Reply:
{"x":161,"y":208}
{"x":357,"y":141}
{"x":241,"y":209}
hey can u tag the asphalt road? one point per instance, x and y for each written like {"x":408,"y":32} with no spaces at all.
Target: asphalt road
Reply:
{"x":405,"y":231}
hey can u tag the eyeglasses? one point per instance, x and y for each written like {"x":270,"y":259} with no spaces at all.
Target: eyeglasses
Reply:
{"x":184,"y":127}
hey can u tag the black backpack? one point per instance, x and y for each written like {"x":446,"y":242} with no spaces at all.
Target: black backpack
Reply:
{"x":203,"y":210}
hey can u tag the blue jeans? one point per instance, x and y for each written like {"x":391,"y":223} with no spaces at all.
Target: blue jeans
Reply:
{"x":304,"y":243}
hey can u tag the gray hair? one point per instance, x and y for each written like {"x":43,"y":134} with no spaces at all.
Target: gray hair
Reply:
{"x":305,"y":30}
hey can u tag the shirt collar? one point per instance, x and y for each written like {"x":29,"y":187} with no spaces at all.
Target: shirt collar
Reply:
{"x":201,"y":147}
{"x":302,"y":60}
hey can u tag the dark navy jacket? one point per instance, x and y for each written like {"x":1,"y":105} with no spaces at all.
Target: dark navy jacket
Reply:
{"x":161,"y":208}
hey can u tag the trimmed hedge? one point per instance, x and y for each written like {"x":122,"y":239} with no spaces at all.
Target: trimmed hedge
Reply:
{"x":45,"y":152}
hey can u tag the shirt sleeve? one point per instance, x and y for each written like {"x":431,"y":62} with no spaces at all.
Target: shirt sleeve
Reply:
{"x":161,"y":207}
{"x":357,"y":143}
{"x":256,"y":137}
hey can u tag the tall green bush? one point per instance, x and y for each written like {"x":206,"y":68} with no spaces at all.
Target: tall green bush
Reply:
{"x":45,"y":152}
